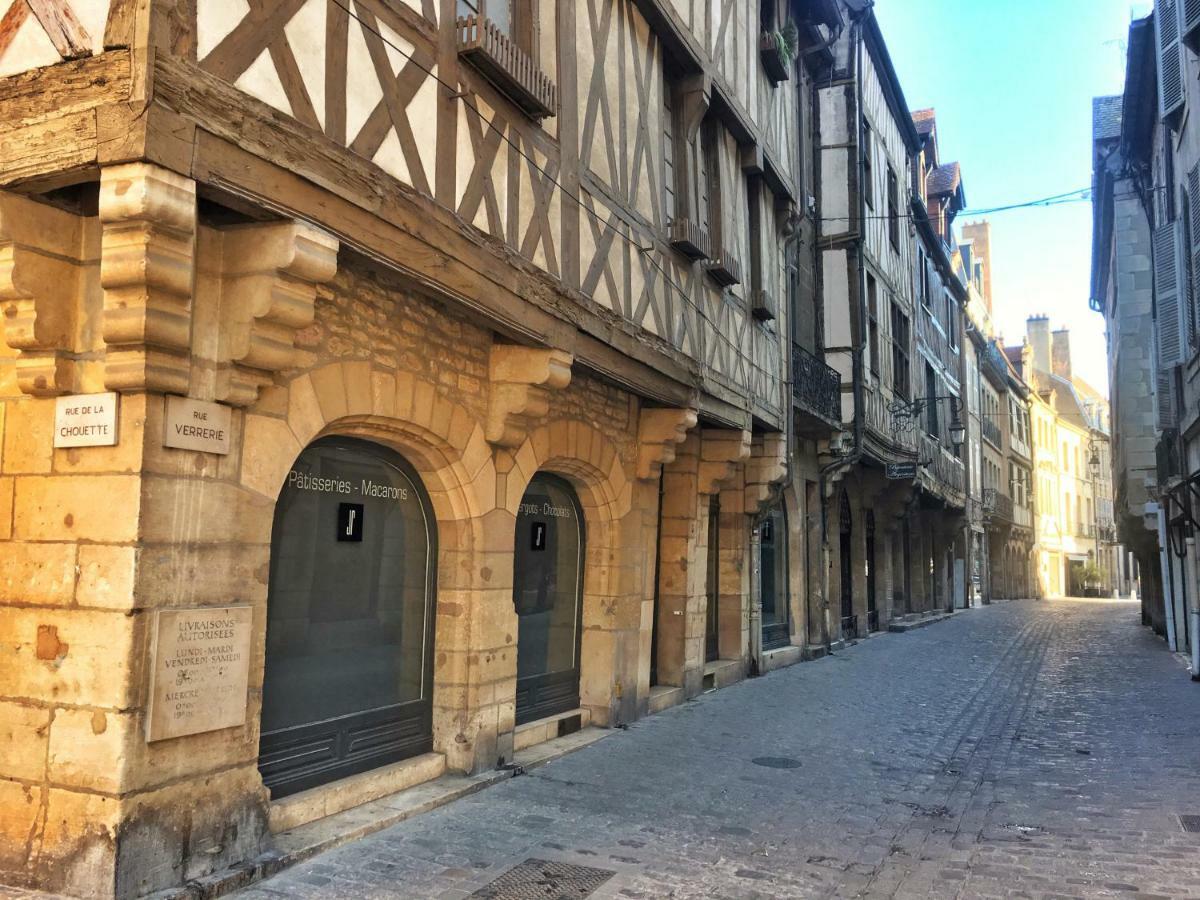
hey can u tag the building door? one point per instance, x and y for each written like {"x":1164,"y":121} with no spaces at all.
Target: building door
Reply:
{"x":872,"y":609}
{"x":548,"y":596}
{"x":846,"y":549}
{"x":712,"y":624}
{"x":772,"y":549}
{"x":348,"y":678}
{"x":654,"y":631}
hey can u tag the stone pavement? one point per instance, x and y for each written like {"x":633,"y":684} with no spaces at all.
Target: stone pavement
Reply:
{"x":1030,"y":749}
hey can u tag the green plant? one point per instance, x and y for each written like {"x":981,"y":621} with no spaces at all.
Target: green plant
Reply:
{"x":1091,"y":573}
{"x":788,"y":41}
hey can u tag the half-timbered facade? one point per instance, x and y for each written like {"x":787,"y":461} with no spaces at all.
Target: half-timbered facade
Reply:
{"x":388,"y":386}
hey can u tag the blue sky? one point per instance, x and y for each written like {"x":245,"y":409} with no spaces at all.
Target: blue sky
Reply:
{"x":1012,"y":82}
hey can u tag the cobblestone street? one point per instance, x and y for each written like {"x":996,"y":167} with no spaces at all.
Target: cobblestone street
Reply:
{"x":1030,"y":749}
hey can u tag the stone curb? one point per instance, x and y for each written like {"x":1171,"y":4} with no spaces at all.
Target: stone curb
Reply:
{"x":303,"y":843}
{"x":901,"y":627}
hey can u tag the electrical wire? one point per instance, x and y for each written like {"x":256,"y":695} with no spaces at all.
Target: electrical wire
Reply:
{"x":644,"y":251}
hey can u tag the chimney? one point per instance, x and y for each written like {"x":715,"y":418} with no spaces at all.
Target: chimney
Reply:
{"x":1060,"y":353}
{"x":1038,"y":330}
{"x":980,"y":234}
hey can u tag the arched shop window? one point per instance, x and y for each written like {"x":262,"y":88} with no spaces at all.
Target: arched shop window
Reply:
{"x":548,"y":597}
{"x":348,"y":682}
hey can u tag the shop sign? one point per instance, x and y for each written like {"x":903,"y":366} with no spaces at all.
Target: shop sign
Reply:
{"x":199,"y":672}
{"x":85,"y":420}
{"x":197,"y":425}
{"x":897,"y":471}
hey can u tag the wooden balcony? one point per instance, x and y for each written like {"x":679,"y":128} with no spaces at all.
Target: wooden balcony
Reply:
{"x":688,"y":238}
{"x":763,"y":306}
{"x":775,"y":63}
{"x":724,"y":269}
{"x":997,"y":506}
{"x":507,"y":66}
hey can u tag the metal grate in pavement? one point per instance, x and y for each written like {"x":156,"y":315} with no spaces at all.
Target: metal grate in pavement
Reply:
{"x":540,"y":879}
{"x":1190,"y":824}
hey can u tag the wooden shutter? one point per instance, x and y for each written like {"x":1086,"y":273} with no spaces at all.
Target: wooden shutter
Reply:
{"x":1170,"y":313}
{"x":1164,"y":399}
{"x":1170,"y":58}
{"x":1191,"y":18}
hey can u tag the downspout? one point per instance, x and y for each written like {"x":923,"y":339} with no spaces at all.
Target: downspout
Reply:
{"x":1193,"y":604}
{"x":856,"y":359}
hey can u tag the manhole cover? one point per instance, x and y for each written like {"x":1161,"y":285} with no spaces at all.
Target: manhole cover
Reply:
{"x":1190,"y":824}
{"x":776,"y":762}
{"x":539,"y":879}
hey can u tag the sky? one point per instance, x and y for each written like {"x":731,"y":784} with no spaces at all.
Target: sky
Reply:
{"x":1012,"y":82}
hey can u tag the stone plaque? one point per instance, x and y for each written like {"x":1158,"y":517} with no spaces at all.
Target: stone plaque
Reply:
{"x":197,"y":425}
{"x":199,"y":671}
{"x":85,"y":420}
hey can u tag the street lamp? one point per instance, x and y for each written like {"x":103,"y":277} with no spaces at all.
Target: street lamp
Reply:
{"x":958,"y":431}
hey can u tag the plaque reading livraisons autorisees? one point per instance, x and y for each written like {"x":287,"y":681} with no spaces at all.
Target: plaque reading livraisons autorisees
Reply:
{"x":199,"y":671}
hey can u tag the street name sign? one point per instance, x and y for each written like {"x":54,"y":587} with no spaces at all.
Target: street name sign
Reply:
{"x":197,"y":425}
{"x":85,"y":420}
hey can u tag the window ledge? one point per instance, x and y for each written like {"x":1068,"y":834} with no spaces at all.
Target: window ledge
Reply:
{"x":763,"y":306}
{"x":773,"y":59}
{"x":507,"y":66}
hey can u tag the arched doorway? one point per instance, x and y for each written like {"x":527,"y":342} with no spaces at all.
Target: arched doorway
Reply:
{"x":773,"y":569}
{"x":349,"y":678}
{"x":548,"y":597}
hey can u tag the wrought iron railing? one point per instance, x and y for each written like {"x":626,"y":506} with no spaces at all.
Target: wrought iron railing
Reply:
{"x":997,"y":505}
{"x":816,"y":387}
{"x":991,"y":432}
{"x":994,"y":363}
{"x":873,"y":620}
{"x":849,"y":627}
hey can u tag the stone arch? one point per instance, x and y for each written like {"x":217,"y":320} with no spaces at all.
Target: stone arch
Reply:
{"x":445,"y":444}
{"x":612,"y":600}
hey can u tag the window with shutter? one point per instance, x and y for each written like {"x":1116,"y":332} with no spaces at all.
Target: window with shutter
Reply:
{"x":1164,"y":400}
{"x":1191,"y":22}
{"x":1170,"y":58}
{"x":1170,"y":316}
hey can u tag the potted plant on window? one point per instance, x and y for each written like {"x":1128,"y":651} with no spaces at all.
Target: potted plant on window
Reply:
{"x":778,"y":49}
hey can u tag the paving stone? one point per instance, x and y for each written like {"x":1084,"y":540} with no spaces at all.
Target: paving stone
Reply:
{"x":1030,"y":749}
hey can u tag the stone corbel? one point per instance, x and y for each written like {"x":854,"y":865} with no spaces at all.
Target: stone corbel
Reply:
{"x":39,"y":293}
{"x":148,"y":221}
{"x":270,"y":275}
{"x":521,"y":380}
{"x":694,"y":93}
{"x":722,"y":450}
{"x":659,"y":431}
{"x":766,"y":468}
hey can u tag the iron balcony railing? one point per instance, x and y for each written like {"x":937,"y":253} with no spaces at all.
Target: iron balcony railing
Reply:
{"x":991,"y":432}
{"x":994,"y":363}
{"x":997,"y":505}
{"x":816,"y":387}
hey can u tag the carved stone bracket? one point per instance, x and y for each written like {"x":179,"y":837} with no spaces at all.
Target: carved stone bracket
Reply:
{"x":721,"y":451}
{"x":269,"y":287}
{"x":148,"y":220}
{"x":40,"y":292}
{"x":766,"y":468}
{"x":521,"y":380}
{"x":659,"y":431}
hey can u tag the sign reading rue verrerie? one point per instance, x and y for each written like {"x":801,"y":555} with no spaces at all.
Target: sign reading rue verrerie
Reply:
{"x":199,"y":672}
{"x":85,"y":420}
{"x":197,"y":425}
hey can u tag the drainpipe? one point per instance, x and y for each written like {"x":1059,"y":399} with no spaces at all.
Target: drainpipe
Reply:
{"x":1189,"y":562}
{"x":1164,"y":557}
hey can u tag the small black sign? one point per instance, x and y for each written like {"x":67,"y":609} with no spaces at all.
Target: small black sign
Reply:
{"x":901,"y":470}
{"x":350,"y":522}
{"x":765,"y":532}
{"x":537,"y":537}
